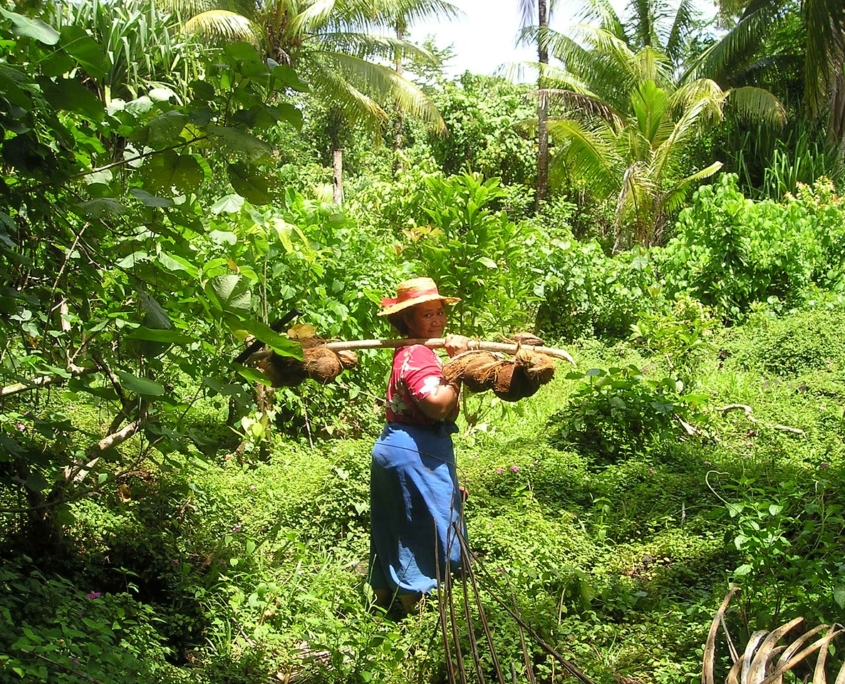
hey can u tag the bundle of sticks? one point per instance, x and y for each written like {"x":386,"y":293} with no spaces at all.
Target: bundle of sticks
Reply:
{"x":483,"y":367}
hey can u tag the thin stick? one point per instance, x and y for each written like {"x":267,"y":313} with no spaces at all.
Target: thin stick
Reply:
{"x":440,"y":343}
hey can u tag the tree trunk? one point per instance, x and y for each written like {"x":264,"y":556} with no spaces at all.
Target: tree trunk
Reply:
{"x":399,"y":121}
{"x":836,"y":124}
{"x":542,"y":108}
{"x":337,"y":175}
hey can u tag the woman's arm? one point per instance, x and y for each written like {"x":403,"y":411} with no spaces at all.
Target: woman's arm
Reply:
{"x":443,"y":403}
{"x":440,"y":404}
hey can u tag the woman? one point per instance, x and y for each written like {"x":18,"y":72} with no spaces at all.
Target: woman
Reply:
{"x":415,"y":501}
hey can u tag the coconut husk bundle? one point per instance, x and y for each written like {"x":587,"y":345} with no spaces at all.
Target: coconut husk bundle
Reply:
{"x":509,"y":379}
{"x":319,"y":363}
{"x":481,"y":369}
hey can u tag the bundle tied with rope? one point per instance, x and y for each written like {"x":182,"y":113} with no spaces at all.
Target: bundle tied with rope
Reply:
{"x":482,"y":368}
{"x":318,"y":362}
{"x":509,"y":379}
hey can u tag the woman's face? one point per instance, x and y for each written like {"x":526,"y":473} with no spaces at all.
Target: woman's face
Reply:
{"x":426,"y":320}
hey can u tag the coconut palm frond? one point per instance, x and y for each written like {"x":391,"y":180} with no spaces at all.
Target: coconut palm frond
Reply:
{"x":224,"y":26}
{"x":583,"y":104}
{"x":825,"y":25}
{"x":644,"y":32}
{"x":674,"y":198}
{"x":527,"y":12}
{"x":316,"y":16}
{"x":763,"y":661}
{"x":326,"y":81}
{"x":381,"y":83}
{"x":605,"y":15}
{"x":734,"y":48}
{"x":591,"y":151}
{"x":685,"y":127}
{"x":685,"y":18}
{"x":756,"y":103}
{"x":693,"y":91}
{"x":369,"y":45}
{"x":651,"y":64}
{"x":190,"y":8}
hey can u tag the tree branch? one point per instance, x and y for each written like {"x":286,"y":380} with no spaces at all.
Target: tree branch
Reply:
{"x":44,"y":381}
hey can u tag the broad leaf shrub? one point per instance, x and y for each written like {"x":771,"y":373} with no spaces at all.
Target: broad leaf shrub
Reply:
{"x":586,"y":293}
{"x":805,"y":341}
{"x":730,"y":252}
{"x":619,"y":411}
{"x":475,"y":252}
{"x":54,"y":631}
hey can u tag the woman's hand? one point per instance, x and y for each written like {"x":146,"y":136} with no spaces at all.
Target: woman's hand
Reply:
{"x":456,"y":344}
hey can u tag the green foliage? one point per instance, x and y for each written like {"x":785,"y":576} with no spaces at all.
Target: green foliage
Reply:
{"x":474,"y":252}
{"x":783,"y":536}
{"x":480,"y":113}
{"x":585,"y":292}
{"x":620,"y":411}
{"x":731,"y":252}
{"x":53,"y":631}
{"x":803,"y":342}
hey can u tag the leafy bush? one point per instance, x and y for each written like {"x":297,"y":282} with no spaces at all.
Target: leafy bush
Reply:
{"x":475,"y":253}
{"x":585,"y":292}
{"x":619,"y":411}
{"x":804,"y":341}
{"x":730,"y":252}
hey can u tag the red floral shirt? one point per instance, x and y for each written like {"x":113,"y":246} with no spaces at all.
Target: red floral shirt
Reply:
{"x":417,"y":373}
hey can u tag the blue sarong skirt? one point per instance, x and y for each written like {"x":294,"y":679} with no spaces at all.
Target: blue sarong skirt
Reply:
{"x":415,"y":508}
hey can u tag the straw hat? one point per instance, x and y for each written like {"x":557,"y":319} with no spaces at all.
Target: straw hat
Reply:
{"x":412,"y":292}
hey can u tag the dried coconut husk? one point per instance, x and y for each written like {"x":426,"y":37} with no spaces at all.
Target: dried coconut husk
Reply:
{"x":319,"y":363}
{"x":476,"y":369}
{"x":510,"y":380}
{"x":539,"y":368}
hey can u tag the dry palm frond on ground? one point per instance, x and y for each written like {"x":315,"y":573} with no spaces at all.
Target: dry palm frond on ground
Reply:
{"x":765,"y":660}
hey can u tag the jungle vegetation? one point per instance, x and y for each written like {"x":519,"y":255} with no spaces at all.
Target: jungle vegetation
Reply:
{"x":177,"y":177}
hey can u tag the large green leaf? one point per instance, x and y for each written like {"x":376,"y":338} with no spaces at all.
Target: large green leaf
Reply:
{"x":231,"y":293}
{"x":169,"y":169}
{"x":280,"y":344}
{"x":31,"y":28}
{"x":284,"y":76}
{"x":100,"y":207}
{"x":249,"y":184}
{"x":162,"y":130}
{"x":240,"y":143}
{"x":69,"y":95}
{"x":253,"y":375}
{"x":142,"y":386}
{"x":85,"y":50}
{"x":154,"y":318}
{"x":155,"y":335}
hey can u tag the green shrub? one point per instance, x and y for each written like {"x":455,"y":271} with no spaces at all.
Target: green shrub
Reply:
{"x":730,"y":252}
{"x":802,"y":342}
{"x":585,"y":292}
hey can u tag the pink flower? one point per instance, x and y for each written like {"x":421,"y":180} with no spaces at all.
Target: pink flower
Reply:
{"x":499,"y":471}
{"x":514,"y":469}
{"x":21,"y":427}
{"x":94,"y":595}
{"x":824,"y":466}
{"x":175,"y":561}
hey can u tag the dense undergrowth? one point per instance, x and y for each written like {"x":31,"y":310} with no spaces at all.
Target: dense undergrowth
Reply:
{"x":235,"y":569}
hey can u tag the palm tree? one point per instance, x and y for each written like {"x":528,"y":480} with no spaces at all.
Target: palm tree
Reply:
{"x":333,"y":47}
{"x":628,"y":120}
{"x":743,"y":53}
{"x":542,"y":9}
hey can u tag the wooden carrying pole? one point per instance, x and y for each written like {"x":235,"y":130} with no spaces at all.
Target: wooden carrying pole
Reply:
{"x":440,"y":343}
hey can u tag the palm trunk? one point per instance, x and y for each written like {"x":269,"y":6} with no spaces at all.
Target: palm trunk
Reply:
{"x":542,"y":108}
{"x":337,"y":175}
{"x":399,"y":121}
{"x":836,"y":124}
